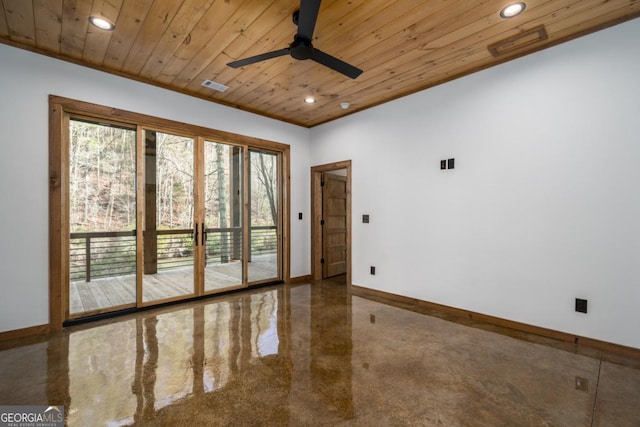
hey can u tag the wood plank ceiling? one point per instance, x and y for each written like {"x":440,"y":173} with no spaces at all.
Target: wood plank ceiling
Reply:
{"x":403,"y":46}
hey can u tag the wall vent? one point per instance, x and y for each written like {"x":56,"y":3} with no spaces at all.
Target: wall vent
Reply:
{"x":519,"y":41}
{"x":214,"y":85}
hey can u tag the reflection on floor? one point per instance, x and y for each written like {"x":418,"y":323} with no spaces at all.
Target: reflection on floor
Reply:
{"x":313,"y":354}
{"x":121,"y":290}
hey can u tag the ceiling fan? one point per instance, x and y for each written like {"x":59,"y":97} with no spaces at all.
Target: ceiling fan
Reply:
{"x":301,"y":47}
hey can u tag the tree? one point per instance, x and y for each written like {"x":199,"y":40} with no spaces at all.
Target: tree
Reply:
{"x":265,"y":166}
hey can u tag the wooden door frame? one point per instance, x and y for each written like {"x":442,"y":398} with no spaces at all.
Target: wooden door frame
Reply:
{"x":316,"y":216}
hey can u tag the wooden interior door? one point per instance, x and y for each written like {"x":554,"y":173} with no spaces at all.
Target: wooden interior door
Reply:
{"x":334,"y":224}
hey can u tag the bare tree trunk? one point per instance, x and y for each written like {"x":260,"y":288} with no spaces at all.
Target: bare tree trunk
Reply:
{"x":73,"y":187}
{"x":268,"y":179}
{"x":170,"y":195}
{"x":222,"y":204}
{"x":87,"y":185}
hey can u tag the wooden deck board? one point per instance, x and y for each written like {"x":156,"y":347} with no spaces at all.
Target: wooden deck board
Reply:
{"x":98,"y":290}
{"x":167,"y":284}
{"x":101,"y":294}
{"x":75,"y":301}
{"x":221,"y":276}
{"x":262,"y":270}
{"x":88,"y":301}
{"x":116,"y":297}
{"x":126,"y":287}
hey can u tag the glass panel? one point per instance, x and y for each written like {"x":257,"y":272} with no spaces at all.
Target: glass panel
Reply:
{"x":168,"y":213}
{"x":263,"y":178}
{"x":223,"y":216}
{"x":102,"y":217}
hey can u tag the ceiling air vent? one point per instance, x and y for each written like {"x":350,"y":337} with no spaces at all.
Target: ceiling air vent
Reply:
{"x":215,"y":85}
{"x":519,"y":41}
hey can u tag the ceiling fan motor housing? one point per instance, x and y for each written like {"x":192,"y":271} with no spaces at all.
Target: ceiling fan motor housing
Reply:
{"x":301,"y":48}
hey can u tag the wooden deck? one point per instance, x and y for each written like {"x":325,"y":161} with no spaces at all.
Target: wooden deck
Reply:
{"x":101,"y":294}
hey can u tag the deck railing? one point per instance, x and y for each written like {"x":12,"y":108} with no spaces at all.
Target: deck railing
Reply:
{"x":113,"y":253}
{"x":101,"y":254}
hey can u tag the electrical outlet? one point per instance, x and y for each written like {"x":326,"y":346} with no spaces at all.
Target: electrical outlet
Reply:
{"x":581,"y":305}
{"x":373,"y":271}
{"x":372,"y":318}
{"x":299,"y":215}
{"x":443,"y":164}
{"x":365,"y":219}
{"x":451,"y":163}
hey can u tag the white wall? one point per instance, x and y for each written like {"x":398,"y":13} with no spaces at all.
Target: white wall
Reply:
{"x":26,"y":80}
{"x":542,"y":207}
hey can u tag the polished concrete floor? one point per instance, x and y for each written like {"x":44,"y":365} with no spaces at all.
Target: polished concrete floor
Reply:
{"x":306,"y":355}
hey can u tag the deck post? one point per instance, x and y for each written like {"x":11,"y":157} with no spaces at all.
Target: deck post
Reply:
{"x":87,"y":255}
{"x":150,"y":232}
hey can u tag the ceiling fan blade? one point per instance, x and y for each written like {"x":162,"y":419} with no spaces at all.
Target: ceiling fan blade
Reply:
{"x":307,"y":17}
{"x":335,"y":64}
{"x":262,"y":57}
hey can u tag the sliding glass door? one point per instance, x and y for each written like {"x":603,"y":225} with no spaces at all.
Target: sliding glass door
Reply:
{"x":168,"y":207}
{"x":102,"y":218}
{"x":264,"y":216}
{"x":223,"y":217}
{"x":156,"y":216}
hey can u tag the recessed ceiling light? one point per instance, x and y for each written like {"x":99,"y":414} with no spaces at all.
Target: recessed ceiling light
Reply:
{"x":514,"y":9}
{"x":102,"y":23}
{"x":344,"y":105}
{"x":310,"y":100}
